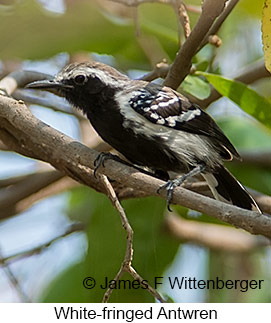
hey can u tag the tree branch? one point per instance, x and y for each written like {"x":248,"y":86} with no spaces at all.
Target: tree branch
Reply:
{"x":49,"y":189}
{"x":257,"y":158}
{"x":66,"y":183}
{"x":31,"y":137}
{"x":182,"y":63}
{"x":161,"y":69}
{"x":213,"y":236}
{"x":29,"y":185}
{"x":216,"y":26}
{"x":263,"y":200}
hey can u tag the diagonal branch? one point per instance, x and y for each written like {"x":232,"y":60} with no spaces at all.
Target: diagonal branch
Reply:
{"x":27,"y":135}
{"x":45,"y":190}
{"x":28,"y":186}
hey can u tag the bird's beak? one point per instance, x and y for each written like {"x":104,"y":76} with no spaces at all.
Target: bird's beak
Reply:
{"x":53,"y":86}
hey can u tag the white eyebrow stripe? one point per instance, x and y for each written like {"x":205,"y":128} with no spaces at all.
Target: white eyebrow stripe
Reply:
{"x":104,"y":76}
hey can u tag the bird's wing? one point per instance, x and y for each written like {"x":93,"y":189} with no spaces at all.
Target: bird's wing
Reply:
{"x":166,"y":107}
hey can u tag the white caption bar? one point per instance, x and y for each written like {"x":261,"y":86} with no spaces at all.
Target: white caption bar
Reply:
{"x":134,"y":312}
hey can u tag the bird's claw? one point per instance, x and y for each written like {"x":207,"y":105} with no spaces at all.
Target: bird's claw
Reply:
{"x":169,"y":186}
{"x":102,"y":157}
{"x":99,"y":161}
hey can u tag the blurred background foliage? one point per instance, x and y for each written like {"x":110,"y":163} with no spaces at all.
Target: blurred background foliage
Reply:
{"x":44,"y":36}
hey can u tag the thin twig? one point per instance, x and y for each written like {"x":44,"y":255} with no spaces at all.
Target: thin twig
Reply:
{"x":216,"y":26}
{"x":13,"y":280}
{"x":184,"y":19}
{"x":124,"y":220}
{"x":160,"y":70}
{"x":75,"y":227}
{"x":137,"y":277}
{"x":182,"y":63}
{"x":126,"y":265}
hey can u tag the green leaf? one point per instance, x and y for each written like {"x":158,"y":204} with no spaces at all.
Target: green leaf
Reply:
{"x":246,"y":98}
{"x":196,"y":86}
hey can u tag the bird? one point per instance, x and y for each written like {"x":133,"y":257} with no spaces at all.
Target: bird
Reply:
{"x":153,"y":127}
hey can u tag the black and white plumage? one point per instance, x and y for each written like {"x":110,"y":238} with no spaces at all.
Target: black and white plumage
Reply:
{"x":152,"y":126}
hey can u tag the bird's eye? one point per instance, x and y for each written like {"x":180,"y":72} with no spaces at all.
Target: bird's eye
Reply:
{"x":80,"y":79}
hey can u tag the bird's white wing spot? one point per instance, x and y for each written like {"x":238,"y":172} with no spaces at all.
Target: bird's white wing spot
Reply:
{"x":160,"y":121}
{"x":190,"y":114}
{"x":172,"y":121}
{"x":154,"y":116}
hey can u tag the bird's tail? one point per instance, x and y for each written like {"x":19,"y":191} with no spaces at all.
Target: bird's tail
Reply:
{"x":225,"y":187}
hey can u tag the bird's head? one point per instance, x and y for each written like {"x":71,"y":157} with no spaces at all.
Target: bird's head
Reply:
{"x":78,"y":82}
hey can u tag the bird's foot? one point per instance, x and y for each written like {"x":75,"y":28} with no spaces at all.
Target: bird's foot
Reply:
{"x":102,"y":157}
{"x":172,"y":184}
{"x":169,"y":186}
